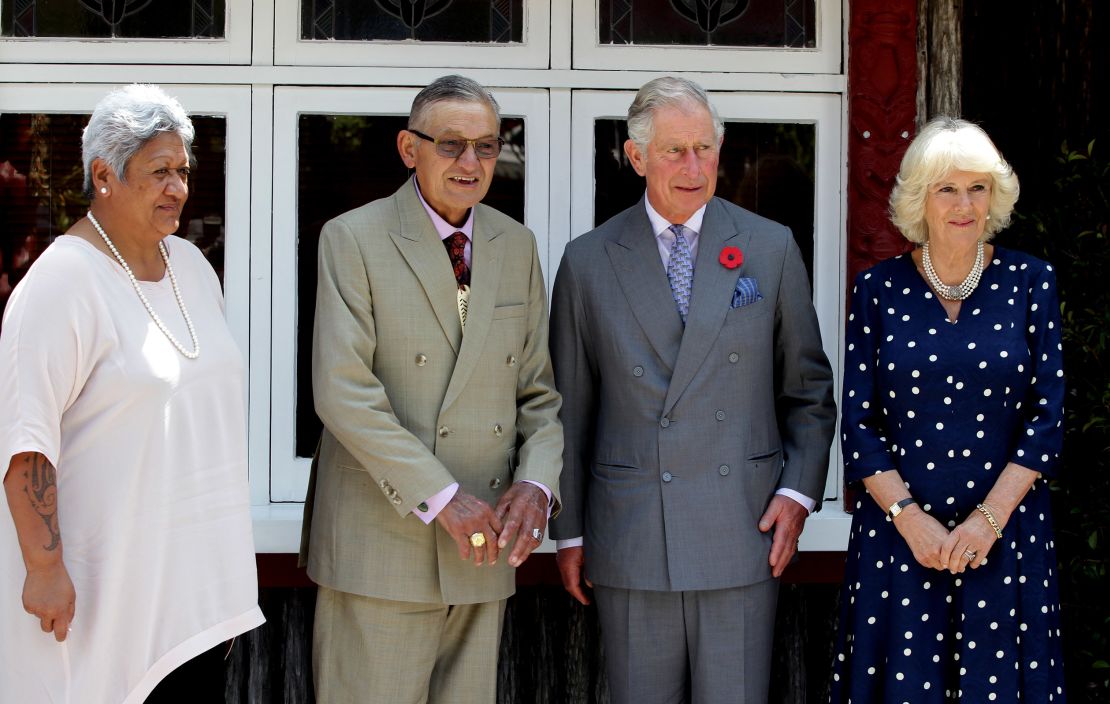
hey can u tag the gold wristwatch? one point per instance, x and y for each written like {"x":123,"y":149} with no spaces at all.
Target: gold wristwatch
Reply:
{"x":897,"y":506}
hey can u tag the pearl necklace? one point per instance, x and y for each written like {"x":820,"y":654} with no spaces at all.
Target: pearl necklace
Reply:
{"x":961,"y":290}
{"x":142,"y":297}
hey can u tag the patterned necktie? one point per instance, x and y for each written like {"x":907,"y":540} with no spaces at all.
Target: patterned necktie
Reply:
{"x":680,"y":271}
{"x":456,"y":249}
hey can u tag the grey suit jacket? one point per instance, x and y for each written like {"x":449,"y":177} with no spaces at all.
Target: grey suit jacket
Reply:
{"x":676,"y":439}
{"x":410,"y":404}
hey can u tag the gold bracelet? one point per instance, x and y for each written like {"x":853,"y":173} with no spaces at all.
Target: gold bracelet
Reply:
{"x":990,"y":519}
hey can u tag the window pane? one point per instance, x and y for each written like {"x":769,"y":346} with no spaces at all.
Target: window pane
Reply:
{"x":485,"y":21}
{"x":345,"y":161}
{"x":767,"y":168}
{"x":778,"y":23}
{"x":41,"y":195}
{"x":124,"y":19}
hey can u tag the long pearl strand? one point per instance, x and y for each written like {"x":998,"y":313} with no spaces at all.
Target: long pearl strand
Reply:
{"x":961,"y":290}
{"x":142,"y":297}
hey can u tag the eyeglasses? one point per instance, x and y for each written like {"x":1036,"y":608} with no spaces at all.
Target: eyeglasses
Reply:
{"x":453,"y":147}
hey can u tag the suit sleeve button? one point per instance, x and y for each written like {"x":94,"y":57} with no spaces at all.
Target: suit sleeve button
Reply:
{"x":421,"y":360}
{"x":723,"y":470}
{"x":733,"y":357}
{"x":495,"y":483}
{"x":443,"y":431}
{"x":720,"y":415}
{"x":511,"y":361}
{"x":667,"y":476}
{"x":498,"y":430}
{"x":637,"y":371}
{"x":665,"y":422}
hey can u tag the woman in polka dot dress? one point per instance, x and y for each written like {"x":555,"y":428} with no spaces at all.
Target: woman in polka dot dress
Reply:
{"x":952,"y":419}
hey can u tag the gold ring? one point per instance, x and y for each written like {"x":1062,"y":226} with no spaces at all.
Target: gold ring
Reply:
{"x":478,"y":539}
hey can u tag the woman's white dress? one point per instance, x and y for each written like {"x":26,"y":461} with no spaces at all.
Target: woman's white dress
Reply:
{"x":150,"y":449}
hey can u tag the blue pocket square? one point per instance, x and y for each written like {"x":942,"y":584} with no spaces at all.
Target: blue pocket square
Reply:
{"x":747,"y":291}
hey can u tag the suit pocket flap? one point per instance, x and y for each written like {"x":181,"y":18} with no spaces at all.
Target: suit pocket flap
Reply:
{"x":516,"y":310}
{"x":763,"y":456}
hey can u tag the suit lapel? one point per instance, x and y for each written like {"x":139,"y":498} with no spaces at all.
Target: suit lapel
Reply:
{"x":421,"y":247}
{"x":639,"y":271}
{"x":485,"y":280}
{"x":710,"y":299}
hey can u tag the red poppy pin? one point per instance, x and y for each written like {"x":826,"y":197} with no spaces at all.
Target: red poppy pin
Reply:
{"x":731,"y":257}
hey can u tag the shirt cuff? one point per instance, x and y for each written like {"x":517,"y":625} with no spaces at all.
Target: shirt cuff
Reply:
{"x":804,"y":500}
{"x":546,"y":492}
{"x":430,"y":508}
{"x":568,"y":543}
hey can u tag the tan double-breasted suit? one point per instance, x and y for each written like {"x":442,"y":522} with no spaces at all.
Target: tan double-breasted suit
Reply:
{"x":410,"y":404}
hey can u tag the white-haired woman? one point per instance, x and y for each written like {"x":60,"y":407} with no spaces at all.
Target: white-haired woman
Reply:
{"x":122,"y":431}
{"x":952,"y":419}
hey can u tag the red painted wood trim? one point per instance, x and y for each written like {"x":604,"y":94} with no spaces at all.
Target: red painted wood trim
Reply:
{"x":280,"y":570}
{"x":882,"y":107}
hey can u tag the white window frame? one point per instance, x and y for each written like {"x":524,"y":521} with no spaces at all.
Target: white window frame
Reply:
{"x":829,"y":528}
{"x":532,"y":52}
{"x":825,"y":58}
{"x":289,"y":473}
{"x":234,"y":48}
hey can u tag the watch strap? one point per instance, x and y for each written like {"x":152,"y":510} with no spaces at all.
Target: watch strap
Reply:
{"x":897,"y":506}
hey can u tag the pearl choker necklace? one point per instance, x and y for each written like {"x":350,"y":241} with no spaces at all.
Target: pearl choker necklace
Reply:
{"x":961,"y":290}
{"x":142,"y":297}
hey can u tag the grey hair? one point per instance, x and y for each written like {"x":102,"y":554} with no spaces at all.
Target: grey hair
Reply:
{"x":948,"y":144}
{"x":668,"y":91}
{"x":453,"y":88}
{"x":126,"y":119}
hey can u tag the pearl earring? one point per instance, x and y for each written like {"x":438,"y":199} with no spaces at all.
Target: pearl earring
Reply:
{"x":104,"y":190}
{"x":988,"y":216}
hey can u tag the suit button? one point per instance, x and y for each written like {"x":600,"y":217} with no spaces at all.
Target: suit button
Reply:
{"x":733,"y":357}
{"x":443,"y":431}
{"x":665,"y":422}
{"x":421,"y":360}
{"x":723,"y":470}
{"x":720,"y":415}
{"x":383,"y":483}
{"x":667,"y":476}
{"x":637,"y":371}
{"x":511,"y":361}
{"x":396,"y":500}
{"x":495,"y":482}
{"x":498,"y":430}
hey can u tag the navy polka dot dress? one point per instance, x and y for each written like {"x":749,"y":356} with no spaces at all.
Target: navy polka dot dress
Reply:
{"x":949,"y":405}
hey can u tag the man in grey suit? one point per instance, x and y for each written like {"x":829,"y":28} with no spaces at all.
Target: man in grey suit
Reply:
{"x":697,"y":413}
{"x":441,"y":448}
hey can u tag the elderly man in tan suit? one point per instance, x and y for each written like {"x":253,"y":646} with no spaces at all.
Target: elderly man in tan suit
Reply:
{"x":439,"y":462}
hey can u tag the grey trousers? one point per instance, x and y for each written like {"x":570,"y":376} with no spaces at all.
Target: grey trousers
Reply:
{"x":367,"y":650}
{"x":696,"y":647}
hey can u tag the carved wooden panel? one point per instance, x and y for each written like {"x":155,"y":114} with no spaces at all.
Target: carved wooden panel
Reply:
{"x":882,"y":86}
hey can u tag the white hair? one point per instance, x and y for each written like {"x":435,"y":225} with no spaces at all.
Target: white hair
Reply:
{"x":126,"y":119}
{"x":667,"y":91}
{"x":944,"y":145}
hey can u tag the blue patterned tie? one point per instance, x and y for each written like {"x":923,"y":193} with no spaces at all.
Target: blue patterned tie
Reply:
{"x":680,"y":271}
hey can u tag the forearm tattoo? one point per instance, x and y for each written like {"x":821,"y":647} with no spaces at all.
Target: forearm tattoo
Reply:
{"x":41,"y":487}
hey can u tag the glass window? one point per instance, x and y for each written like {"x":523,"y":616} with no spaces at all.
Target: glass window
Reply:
{"x":767,"y":168}
{"x":485,"y":21}
{"x":124,"y":19}
{"x":41,"y":189}
{"x":345,"y":161}
{"x":732,"y":23}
